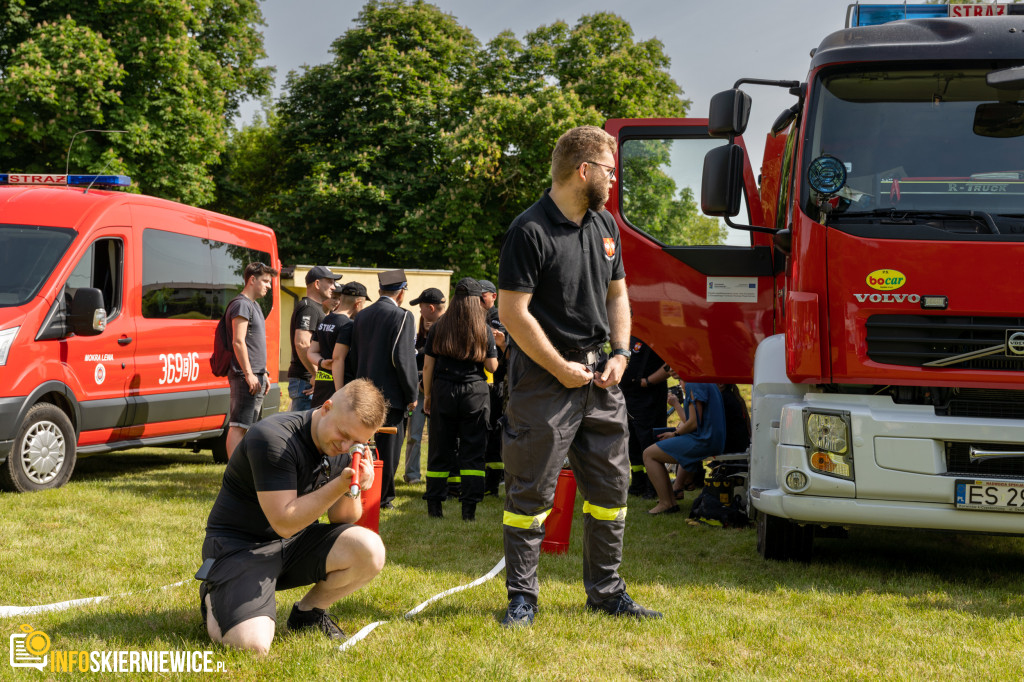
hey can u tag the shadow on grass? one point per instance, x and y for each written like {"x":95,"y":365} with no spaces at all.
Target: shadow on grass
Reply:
{"x":147,"y":473}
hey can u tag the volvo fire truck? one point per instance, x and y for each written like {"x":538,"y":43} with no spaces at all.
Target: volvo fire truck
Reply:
{"x":878,"y":310}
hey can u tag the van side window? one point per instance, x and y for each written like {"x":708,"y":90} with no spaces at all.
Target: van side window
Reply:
{"x":190,"y":278}
{"x":101,"y":268}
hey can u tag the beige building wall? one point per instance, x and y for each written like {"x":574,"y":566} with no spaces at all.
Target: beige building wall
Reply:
{"x":296,"y":285}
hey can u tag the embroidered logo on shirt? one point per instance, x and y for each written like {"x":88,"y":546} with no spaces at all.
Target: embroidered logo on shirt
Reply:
{"x":609,"y":248}
{"x":637,"y":346}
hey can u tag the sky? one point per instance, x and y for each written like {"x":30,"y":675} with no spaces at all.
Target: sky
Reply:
{"x":711,"y":43}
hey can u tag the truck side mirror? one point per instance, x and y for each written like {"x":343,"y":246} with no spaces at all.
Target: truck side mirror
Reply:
{"x":728,"y":114}
{"x":722,"y":181}
{"x":88,"y":316}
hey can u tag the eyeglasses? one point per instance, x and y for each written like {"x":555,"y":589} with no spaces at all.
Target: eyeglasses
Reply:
{"x":609,"y":169}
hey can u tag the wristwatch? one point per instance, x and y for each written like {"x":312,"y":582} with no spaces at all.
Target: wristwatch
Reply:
{"x":623,"y":352}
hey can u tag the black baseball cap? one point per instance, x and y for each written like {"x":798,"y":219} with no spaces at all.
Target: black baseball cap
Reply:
{"x":352,"y":289}
{"x":320,"y":272}
{"x":392,"y":280}
{"x":430,"y":295}
{"x":488,"y":286}
{"x":468,"y":286}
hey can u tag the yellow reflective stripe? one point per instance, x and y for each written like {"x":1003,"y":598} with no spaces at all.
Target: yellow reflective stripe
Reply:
{"x":455,"y":479}
{"x":638,"y":468}
{"x":495,"y":465}
{"x":437,"y":474}
{"x":471,"y":472}
{"x":523,"y":521}
{"x":604,"y":513}
{"x":324,"y":376}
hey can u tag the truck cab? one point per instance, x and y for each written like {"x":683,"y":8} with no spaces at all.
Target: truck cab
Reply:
{"x":888,"y":375}
{"x":108,"y":305}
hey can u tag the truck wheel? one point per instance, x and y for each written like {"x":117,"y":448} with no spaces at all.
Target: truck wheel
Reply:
{"x":780,"y":540}
{"x":219,"y":448}
{"x":43,"y":453}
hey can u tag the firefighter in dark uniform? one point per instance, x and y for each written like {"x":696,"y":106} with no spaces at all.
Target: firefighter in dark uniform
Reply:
{"x":645,"y":388}
{"x":562,"y":297}
{"x":495,"y":467}
{"x":382,"y":349}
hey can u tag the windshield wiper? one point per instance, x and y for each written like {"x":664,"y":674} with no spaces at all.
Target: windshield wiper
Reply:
{"x":894,"y":216}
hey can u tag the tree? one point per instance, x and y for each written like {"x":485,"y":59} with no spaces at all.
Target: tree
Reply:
{"x":416,"y":147}
{"x":169,"y":72}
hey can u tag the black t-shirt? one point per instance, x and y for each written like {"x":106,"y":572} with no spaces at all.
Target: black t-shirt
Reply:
{"x":277,"y":453}
{"x":307,"y":316}
{"x":328,"y":331}
{"x":643,"y":363}
{"x":566,"y":267}
{"x":459,"y":371}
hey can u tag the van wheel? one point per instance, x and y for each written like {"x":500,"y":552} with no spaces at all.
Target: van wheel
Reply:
{"x":43,"y":453}
{"x":782,"y":540}
{"x":219,"y":448}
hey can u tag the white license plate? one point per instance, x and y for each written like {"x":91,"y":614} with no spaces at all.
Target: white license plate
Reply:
{"x":990,"y":495}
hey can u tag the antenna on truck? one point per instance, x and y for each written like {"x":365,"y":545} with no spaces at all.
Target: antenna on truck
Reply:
{"x":67,"y":160}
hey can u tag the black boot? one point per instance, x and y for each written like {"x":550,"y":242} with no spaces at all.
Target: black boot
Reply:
{"x":469,"y":511}
{"x":434,"y":509}
{"x":491,"y":480}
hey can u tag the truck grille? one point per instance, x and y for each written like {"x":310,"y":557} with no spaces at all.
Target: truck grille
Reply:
{"x":958,"y":461}
{"x":914,"y":340}
{"x":983,"y":402}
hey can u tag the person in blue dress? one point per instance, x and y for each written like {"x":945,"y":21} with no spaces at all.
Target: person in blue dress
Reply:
{"x":700,"y":434}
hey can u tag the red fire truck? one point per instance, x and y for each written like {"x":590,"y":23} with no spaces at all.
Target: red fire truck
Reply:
{"x":877,"y":308}
{"x":108,"y":306}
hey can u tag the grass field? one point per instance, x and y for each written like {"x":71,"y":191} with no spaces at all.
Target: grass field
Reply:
{"x":881,"y":605}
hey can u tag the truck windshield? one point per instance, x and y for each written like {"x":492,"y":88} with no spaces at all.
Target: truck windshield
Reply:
{"x":922,"y":150}
{"x":28,"y":254}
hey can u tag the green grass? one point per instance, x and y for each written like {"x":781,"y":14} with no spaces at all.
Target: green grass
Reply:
{"x":881,"y":605}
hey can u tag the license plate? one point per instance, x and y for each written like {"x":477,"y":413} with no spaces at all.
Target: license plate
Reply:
{"x":990,"y":495}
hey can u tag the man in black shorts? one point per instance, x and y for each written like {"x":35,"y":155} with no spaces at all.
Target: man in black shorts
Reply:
{"x":562,"y":296}
{"x":263,"y":532}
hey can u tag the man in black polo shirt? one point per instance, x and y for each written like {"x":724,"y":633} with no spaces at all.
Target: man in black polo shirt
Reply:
{"x":307,"y":316}
{"x":562,"y":296}
{"x":263,"y":532}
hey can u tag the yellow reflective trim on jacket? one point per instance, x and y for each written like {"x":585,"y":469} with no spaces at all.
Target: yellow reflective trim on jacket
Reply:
{"x":455,"y":479}
{"x":321,"y":375}
{"x":523,"y":521}
{"x":604,"y":513}
{"x":437,"y":474}
{"x":471,"y":472}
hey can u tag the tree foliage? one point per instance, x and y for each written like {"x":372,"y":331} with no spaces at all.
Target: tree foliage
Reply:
{"x":416,"y":146}
{"x":169,"y":72}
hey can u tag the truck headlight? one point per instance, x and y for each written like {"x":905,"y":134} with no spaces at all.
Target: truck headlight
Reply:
{"x":828,"y":437}
{"x":7,"y":337}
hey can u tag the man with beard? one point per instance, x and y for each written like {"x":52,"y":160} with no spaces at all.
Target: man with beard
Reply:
{"x":562,"y":296}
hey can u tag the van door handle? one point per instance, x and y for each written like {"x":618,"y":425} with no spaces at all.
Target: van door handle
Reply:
{"x":124,"y":340}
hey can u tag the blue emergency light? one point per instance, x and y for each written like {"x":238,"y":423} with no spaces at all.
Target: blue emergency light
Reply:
{"x":97,"y":181}
{"x":872,"y":15}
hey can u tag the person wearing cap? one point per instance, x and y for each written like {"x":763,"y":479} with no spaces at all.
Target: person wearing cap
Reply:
{"x":489,"y":296}
{"x":350,"y":299}
{"x":306,"y":317}
{"x":562,"y":296}
{"x":431,"y":303}
{"x":456,"y":400}
{"x":383,"y":349}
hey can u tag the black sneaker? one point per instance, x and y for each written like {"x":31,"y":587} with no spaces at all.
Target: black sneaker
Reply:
{"x":314,"y":618}
{"x":520,"y":613}
{"x":622,"y":605}
{"x":434,"y":509}
{"x":469,"y":511}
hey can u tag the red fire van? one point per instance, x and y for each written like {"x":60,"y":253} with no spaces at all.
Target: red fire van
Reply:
{"x":108,"y":306}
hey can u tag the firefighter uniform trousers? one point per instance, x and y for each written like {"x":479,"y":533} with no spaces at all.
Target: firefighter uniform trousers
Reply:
{"x":459,"y":414}
{"x":545,"y":423}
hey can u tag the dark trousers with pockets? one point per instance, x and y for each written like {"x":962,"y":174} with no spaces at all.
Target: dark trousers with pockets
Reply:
{"x":545,"y":423}
{"x":459,"y":414}
{"x":390,"y":448}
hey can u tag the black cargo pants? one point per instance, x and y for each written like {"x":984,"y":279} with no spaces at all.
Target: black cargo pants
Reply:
{"x":545,"y":423}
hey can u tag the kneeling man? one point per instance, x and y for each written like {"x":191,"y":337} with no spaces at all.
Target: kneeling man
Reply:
{"x":264,"y":534}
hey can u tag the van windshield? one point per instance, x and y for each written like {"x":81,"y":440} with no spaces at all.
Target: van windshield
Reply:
{"x":921,"y":147}
{"x":28,"y":254}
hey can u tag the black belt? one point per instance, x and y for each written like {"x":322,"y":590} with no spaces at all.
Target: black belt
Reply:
{"x":584,"y":356}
